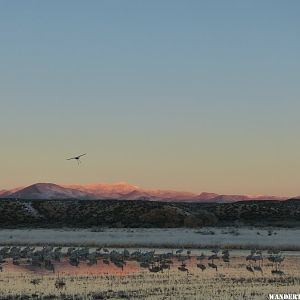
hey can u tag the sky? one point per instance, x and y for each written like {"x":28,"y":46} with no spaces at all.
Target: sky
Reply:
{"x":185,"y":95}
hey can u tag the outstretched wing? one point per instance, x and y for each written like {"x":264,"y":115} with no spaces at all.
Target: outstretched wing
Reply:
{"x":76,"y":157}
{"x":71,"y":158}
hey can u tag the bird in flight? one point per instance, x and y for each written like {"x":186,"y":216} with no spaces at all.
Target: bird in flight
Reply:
{"x":77,"y":158}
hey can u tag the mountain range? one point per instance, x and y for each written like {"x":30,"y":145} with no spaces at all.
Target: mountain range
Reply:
{"x":120,"y":191}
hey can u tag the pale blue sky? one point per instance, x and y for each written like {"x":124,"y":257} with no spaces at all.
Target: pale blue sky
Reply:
{"x":189,"y":95}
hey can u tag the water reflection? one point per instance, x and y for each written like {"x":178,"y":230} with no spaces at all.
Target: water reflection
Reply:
{"x":101,"y":261}
{"x":63,"y":267}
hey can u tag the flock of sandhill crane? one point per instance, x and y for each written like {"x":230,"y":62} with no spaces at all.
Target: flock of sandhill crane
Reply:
{"x":255,"y":259}
{"x":45,"y":257}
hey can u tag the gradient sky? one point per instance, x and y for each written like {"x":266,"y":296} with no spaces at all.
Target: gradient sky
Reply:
{"x":186,"y":95}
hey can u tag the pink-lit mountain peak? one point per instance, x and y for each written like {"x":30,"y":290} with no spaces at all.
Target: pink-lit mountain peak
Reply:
{"x":119,"y":187}
{"x":123,"y":189}
{"x":48,"y":191}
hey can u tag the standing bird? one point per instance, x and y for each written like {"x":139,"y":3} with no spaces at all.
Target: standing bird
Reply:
{"x":201,"y":266}
{"x":250,"y":269}
{"x":77,"y":158}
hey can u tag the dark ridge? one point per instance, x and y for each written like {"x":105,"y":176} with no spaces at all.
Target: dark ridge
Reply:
{"x":134,"y":214}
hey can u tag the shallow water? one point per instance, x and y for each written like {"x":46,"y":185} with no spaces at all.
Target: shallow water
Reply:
{"x":131,"y":266}
{"x":65,"y":268}
{"x":231,"y":237}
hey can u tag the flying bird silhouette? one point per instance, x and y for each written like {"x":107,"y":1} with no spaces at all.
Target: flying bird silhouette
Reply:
{"x":77,"y":158}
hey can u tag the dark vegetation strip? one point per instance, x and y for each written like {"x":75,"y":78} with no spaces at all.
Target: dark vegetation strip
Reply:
{"x":146,"y":214}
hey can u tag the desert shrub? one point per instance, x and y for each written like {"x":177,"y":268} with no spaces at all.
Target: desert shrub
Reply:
{"x":164,"y":217}
{"x":202,"y":218}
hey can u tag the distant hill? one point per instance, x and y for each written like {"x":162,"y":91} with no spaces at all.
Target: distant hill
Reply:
{"x":49,"y":191}
{"x":120,"y":191}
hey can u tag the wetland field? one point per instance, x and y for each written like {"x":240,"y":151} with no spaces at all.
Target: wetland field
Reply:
{"x":106,"y":263}
{"x":148,"y":250}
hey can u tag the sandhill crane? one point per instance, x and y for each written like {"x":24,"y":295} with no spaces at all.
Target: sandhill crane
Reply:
{"x":119,"y":264}
{"x":165,"y":265}
{"x":225,"y":252}
{"x":126,"y":254}
{"x":250,"y":269}
{"x":258,"y":268}
{"x":49,"y":265}
{"x":201,"y":257}
{"x":60,"y":283}
{"x":201,"y":266}
{"x":213,"y":257}
{"x":216,"y":251}
{"x":277,"y":272}
{"x":16,"y":262}
{"x":77,"y":158}
{"x":214,"y":266}
{"x":182,"y":258}
{"x":257,"y":257}
{"x":74,"y":261}
{"x":183,"y":268}
{"x":92,"y":261}
{"x":70,"y":250}
{"x":57,"y":254}
{"x":155,"y":269}
{"x":226,"y":259}
{"x":144,"y":265}
{"x":277,"y":260}
{"x":1,"y":259}
{"x":179,"y":251}
{"x":249,"y":257}
{"x":35,"y":281}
